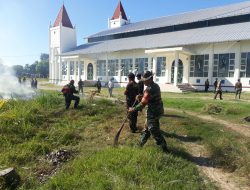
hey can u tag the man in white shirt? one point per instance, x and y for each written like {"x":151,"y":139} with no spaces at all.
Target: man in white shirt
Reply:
{"x":110,"y":86}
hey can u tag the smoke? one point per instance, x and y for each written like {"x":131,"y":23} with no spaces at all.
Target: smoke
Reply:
{"x":10,"y":87}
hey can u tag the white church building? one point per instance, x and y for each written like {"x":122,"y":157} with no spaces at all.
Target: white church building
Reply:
{"x":182,"y":50}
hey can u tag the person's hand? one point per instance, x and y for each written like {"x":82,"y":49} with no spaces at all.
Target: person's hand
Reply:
{"x":139,"y":97}
{"x":130,"y":110}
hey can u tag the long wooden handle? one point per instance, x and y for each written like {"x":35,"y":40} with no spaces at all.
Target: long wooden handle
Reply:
{"x":120,"y":129}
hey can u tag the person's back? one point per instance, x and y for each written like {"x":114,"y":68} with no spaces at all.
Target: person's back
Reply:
{"x":131,"y":93}
{"x":111,"y":84}
{"x":238,"y":85}
{"x":155,"y":104}
{"x":238,"y":88}
{"x":215,"y":83}
{"x":35,"y":83}
{"x":140,"y":84}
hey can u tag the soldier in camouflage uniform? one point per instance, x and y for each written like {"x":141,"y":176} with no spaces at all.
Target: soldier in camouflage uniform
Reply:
{"x":131,"y":92}
{"x":238,"y":88}
{"x":152,"y":99}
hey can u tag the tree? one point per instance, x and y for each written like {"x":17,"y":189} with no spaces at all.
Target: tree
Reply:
{"x":18,"y":70}
{"x":44,"y":57}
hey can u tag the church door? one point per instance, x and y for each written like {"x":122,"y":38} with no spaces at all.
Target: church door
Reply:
{"x":179,"y":74}
{"x":90,"y":71}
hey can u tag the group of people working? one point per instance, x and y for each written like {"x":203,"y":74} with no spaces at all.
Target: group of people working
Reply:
{"x":136,"y":99}
{"x":218,"y":88}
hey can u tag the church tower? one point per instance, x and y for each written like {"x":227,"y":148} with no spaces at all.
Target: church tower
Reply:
{"x":62,"y":37}
{"x":119,"y":18}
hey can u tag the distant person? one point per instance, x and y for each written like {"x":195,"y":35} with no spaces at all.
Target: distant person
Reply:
{"x":131,"y":92}
{"x":80,"y":86}
{"x":110,"y":87}
{"x":32,"y":84}
{"x":215,"y":84}
{"x":218,"y":90}
{"x":152,"y":100}
{"x":238,"y":88}
{"x":24,"y":80}
{"x":98,"y":85}
{"x":68,"y":92}
{"x":140,"y":84}
{"x":206,"y":85}
{"x":35,"y":83}
{"x":19,"y":80}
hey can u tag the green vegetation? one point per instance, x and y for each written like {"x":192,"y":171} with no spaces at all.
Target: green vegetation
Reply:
{"x":30,"y":130}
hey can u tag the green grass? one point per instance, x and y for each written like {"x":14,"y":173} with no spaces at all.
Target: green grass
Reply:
{"x":128,"y":168}
{"x":31,"y":129}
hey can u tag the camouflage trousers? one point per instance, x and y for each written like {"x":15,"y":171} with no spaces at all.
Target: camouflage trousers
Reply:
{"x":152,"y":127}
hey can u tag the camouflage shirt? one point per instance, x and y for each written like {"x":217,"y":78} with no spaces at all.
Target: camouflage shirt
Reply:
{"x":155,"y":104}
{"x":152,"y":98}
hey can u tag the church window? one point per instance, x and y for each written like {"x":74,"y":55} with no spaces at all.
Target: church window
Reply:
{"x":81,"y":67}
{"x":141,"y":65}
{"x":199,"y":65}
{"x":77,"y":67}
{"x":101,"y":68}
{"x":224,"y":65}
{"x":72,"y":67}
{"x":126,"y":65}
{"x":64,"y":68}
{"x":245,"y":64}
{"x":113,"y":67}
{"x":161,"y":66}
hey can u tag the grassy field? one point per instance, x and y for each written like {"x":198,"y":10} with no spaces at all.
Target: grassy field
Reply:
{"x":30,"y":130}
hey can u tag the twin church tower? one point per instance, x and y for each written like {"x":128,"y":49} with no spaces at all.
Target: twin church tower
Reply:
{"x":62,"y":38}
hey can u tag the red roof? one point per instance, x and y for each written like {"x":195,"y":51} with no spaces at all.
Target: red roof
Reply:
{"x":119,"y":11}
{"x":63,"y":18}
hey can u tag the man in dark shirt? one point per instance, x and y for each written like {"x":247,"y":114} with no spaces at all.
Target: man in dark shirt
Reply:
{"x":131,"y":92}
{"x":140,"y":84}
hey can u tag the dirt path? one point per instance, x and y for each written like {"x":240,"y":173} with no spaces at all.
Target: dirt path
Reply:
{"x":239,"y":128}
{"x":224,"y":180}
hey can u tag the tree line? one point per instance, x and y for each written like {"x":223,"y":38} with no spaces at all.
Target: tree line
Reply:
{"x":39,"y":69}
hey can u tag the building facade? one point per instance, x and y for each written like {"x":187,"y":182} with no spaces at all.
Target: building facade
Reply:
{"x":181,"y":49}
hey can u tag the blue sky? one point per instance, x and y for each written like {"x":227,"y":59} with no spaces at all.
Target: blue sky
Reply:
{"x":24,"y":23}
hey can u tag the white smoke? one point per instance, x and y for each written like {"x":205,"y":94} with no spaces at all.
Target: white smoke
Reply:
{"x":10,"y":87}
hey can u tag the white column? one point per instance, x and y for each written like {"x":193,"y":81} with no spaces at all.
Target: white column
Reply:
{"x":60,"y":71}
{"x":154,"y":65}
{"x":237,"y":62}
{"x":176,"y":64}
{"x":75,"y":77}
{"x":79,"y":69}
{"x":210,"y":64}
{"x":68,"y":70}
{"x":94,"y":70}
{"x":119,"y":72}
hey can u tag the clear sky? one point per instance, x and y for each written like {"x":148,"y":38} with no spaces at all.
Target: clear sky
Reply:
{"x":24,"y":24}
